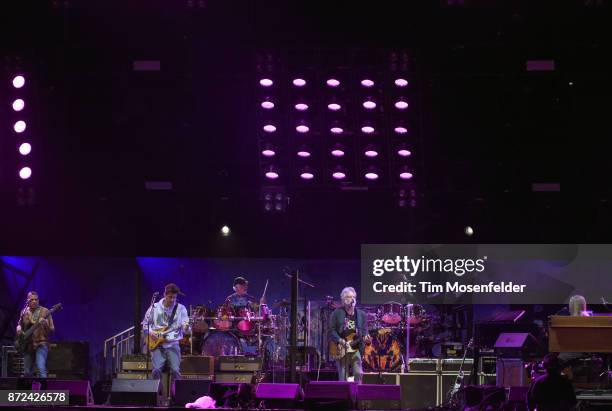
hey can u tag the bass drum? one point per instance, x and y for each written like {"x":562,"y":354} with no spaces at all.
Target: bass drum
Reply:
{"x":384,"y":353}
{"x":218,"y":343}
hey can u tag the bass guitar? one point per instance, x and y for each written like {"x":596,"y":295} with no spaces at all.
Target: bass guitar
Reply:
{"x":25,"y":338}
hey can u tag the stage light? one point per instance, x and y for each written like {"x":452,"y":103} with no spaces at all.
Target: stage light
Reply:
{"x":401,"y":82}
{"x":338,"y":150}
{"x":304,"y":152}
{"x":269,"y":128}
{"x":367,"y":83}
{"x":266,"y":82}
{"x":25,"y":173}
{"x":469,"y":231}
{"x":299,"y":82}
{"x":332,"y":82}
{"x":225,"y":231}
{"x":372,"y":174}
{"x":267,"y":104}
{"x":301,"y":106}
{"x":370,"y":151}
{"x":369,"y":104}
{"x":334,"y":106}
{"x":403,"y":150}
{"x":306,"y":173}
{"x":302,"y":128}
{"x":339,"y":173}
{"x":18,"y":81}
{"x":401,"y":104}
{"x":405,"y":173}
{"x":336,"y":130}
{"x":18,"y":105}
{"x":19,"y":126}
{"x":367,"y":129}
{"x":400,"y":130}
{"x":268,"y":151}
{"x":25,"y":149}
{"x":272,"y":173}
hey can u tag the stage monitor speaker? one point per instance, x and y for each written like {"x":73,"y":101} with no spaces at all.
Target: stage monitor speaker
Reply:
{"x":330,"y":395}
{"x":186,"y":391}
{"x":378,"y":397}
{"x":511,"y":372}
{"x":419,"y":390}
{"x":135,"y":392}
{"x":517,"y":397}
{"x":69,"y":359}
{"x":278,"y":395}
{"x":80,"y":390}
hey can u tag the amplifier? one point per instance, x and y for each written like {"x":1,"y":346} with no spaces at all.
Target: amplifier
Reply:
{"x":239,"y":363}
{"x":234,"y":377}
{"x":202,"y":377}
{"x":136,"y":362}
{"x":197,"y":365}
{"x":68,"y":357}
{"x":12,"y":362}
{"x":423,"y":364}
{"x":453,"y":365}
{"x":132,"y":375}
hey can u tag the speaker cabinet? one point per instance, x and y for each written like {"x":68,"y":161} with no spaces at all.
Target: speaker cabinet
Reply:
{"x":378,"y":397}
{"x":135,"y":392}
{"x":330,"y":395}
{"x":68,"y":360}
{"x":419,"y":389}
{"x":278,"y":395}
{"x":511,"y":372}
{"x":80,"y":390}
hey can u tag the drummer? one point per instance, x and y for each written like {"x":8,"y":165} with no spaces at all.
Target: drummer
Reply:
{"x":240,"y":298}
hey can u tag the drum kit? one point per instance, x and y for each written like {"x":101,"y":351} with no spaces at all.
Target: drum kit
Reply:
{"x":388,"y":325}
{"x":228,"y":330}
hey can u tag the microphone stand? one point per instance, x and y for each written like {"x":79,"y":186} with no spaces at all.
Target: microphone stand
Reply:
{"x":150,"y":312}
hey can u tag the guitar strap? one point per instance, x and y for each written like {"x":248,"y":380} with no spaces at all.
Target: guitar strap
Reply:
{"x":171,"y":319}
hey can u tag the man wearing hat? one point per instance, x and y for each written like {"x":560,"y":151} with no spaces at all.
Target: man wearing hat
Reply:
{"x":166,"y":320}
{"x":240,"y":298}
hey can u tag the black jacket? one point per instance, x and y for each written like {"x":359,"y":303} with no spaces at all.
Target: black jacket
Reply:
{"x":336,"y":326}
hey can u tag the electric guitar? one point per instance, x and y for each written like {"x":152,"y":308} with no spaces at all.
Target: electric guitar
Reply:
{"x":338,"y":350}
{"x":160,"y":337}
{"x":23,"y":340}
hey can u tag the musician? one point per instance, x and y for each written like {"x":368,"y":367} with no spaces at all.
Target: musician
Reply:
{"x":170,"y":317}
{"x":37,"y":351}
{"x":240,"y":298}
{"x":577,"y":307}
{"x":552,"y":391}
{"x":349,"y":324}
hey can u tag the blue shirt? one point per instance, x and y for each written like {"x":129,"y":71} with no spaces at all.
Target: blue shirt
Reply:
{"x":160,"y":318}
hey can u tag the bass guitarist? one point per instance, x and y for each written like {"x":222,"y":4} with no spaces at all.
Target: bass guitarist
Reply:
{"x":165,"y":322}
{"x":38,"y":348}
{"x":348,"y":335}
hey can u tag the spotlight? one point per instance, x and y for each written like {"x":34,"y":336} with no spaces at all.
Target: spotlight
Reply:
{"x":367,"y":83}
{"x":18,"y":81}
{"x":369,"y":104}
{"x":401,"y":82}
{"x":405,"y":173}
{"x":267,"y":104}
{"x":306,"y":173}
{"x":401,"y":104}
{"x":400,"y":130}
{"x":469,"y":231}
{"x":338,"y":150}
{"x":25,"y":173}
{"x":266,"y":82}
{"x":336,"y":130}
{"x":274,"y":199}
{"x":225,"y":231}
{"x":301,"y":106}
{"x":271,"y":173}
{"x":372,"y":174}
{"x":370,"y":151}
{"x":268,"y":151}
{"x":19,"y":126}
{"x":25,"y":149}
{"x":299,"y":82}
{"x":339,"y":173}
{"x":367,"y":129}
{"x":269,"y":128}
{"x":334,"y":106}
{"x":332,"y":82}
{"x":18,"y":105}
{"x":304,"y":152}
{"x":302,"y":128}
{"x":403,"y":150}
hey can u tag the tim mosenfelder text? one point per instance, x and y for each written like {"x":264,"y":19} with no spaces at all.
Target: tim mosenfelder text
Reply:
{"x":406,"y":266}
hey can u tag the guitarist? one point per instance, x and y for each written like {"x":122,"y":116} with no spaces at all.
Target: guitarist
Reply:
{"x":169,"y":320}
{"x":347,"y":329}
{"x":36,"y":353}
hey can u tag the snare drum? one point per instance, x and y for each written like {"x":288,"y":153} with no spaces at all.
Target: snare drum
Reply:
{"x":391,"y":313}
